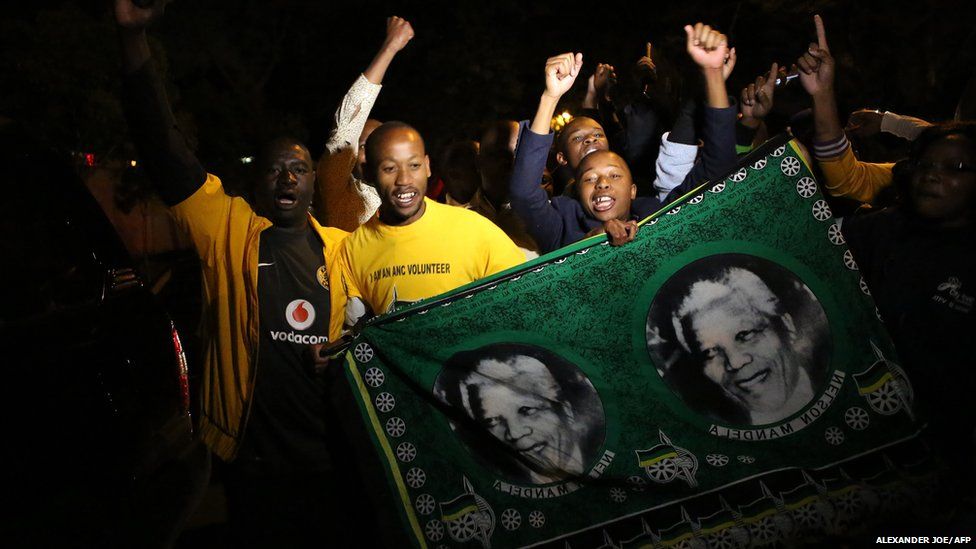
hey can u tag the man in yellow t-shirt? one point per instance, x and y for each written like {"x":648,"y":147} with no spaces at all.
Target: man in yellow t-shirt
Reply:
{"x":415,"y":248}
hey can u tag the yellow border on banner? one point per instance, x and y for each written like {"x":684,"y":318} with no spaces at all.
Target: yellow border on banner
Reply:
{"x":795,"y":145}
{"x":387,"y":450}
{"x":458,"y":514}
{"x":649,"y":462}
{"x":876,"y":385}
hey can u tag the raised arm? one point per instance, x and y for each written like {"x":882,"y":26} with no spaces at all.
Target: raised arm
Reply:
{"x":709,"y":49}
{"x":641,"y":118}
{"x":168,"y":160}
{"x":755,"y":102}
{"x":867,"y":123}
{"x":398,"y":33}
{"x":817,"y":76}
{"x":354,"y":110}
{"x":598,"y":105}
{"x":844,"y":175}
{"x":529,"y":200}
{"x":339,"y":200}
{"x":598,"y":85}
{"x":756,"y":99}
{"x":561,"y":73}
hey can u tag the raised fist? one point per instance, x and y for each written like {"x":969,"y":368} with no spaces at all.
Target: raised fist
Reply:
{"x":561,"y":73}
{"x":708,"y":48}
{"x":398,"y":33}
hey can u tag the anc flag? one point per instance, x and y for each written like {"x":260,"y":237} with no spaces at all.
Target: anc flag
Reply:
{"x":873,"y":378}
{"x":761,"y":508}
{"x":458,"y":507}
{"x":802,"y":495}
{"x":531,"y":391}
{"x":716,"y":522}
{"x":674,"y":535}
{"x":657,"y":454}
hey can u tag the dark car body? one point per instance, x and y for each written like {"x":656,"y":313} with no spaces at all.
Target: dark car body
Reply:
{"x":99,"y":448}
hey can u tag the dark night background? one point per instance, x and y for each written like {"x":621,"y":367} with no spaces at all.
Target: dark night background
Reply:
{"x":242,"y":70}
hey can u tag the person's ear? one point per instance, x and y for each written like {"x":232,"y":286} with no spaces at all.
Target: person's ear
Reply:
{"x":427,"y":164}
{"x":790,"y":327}
{"x":633,"y":191}
{"x":561,"y":158}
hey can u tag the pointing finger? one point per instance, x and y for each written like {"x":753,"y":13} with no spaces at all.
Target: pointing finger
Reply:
{"x":821,"y":33}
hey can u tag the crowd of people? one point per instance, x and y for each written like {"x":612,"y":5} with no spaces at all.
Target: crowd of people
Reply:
{"x":318,"y":246}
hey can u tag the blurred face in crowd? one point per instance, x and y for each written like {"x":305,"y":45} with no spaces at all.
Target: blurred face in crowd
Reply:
{"x":399,"y":166}
{"x":605,"y":186}
{"x":943,"y":184}
{"x":579,"y":138}
{"x":285,"y":182}
{"x":459,"y":170}
{"x":496,"y":159}
{"x":360,"y":168}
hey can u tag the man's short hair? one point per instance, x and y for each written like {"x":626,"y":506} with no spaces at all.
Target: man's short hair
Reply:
{"x":256,"y":171}
{"x":380,"y":133}
{"x":282,"y":141}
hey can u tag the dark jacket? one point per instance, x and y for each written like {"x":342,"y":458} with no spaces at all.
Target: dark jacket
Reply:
{"x":561,"y":221}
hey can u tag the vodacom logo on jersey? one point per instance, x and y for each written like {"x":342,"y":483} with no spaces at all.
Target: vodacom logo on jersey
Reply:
{"x":300,"y":314}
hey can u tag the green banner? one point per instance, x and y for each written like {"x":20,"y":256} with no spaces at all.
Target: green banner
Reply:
{"x":722,"y":380}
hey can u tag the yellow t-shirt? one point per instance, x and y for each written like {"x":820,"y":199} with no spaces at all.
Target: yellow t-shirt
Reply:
{"x":387,"y":267}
